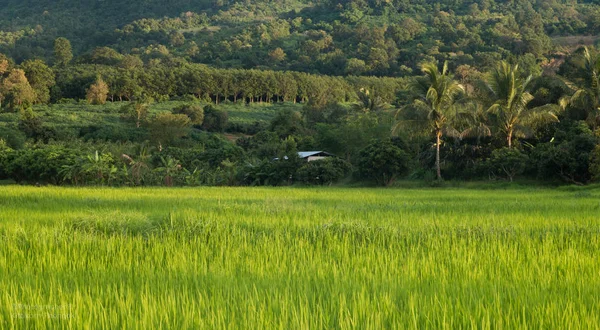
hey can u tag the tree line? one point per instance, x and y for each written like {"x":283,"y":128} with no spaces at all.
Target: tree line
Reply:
{"x":451,"y":123}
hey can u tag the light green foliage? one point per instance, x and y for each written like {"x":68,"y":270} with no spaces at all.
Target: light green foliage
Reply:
{"x":63,"y":53}
{"x":207,"y":258}
{"x":194,"y":111}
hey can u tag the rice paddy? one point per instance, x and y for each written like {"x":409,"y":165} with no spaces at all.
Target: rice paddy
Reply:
{"x":292,"y":258}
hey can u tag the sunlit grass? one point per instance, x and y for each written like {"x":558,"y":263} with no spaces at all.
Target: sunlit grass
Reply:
{"x":299,"y":258}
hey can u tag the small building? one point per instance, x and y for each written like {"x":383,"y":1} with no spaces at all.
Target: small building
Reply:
{"x":309,"y":156}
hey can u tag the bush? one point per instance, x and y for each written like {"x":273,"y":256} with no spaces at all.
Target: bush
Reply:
{"x":193,"y":111}
{"x":271,"y":172}
{"x":167,"y":127}
{"x":215,"y":120}
{"x":13,"y":138}
{"x":5,"y":157}
{"x":383,"y":162}
{"x":34,"y":128}
{"x":112,"y":132}
{"x":41,"y":164}
{"x":567,"y":157}
{"x":507,"y":162}
{"x":595,"y":164}
{"x":323,"y":171}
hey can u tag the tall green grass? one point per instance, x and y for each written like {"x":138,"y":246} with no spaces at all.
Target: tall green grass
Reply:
{"x":299,"y":258}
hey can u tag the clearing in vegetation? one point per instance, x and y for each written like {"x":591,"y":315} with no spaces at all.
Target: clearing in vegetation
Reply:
{"x":286,"y":258}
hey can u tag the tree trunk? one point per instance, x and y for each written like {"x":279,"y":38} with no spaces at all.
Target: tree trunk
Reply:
{"x":438,"y":136}
{"x":509,"y":138}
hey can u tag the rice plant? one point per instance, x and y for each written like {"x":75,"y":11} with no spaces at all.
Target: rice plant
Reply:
{"x":299,"y":258}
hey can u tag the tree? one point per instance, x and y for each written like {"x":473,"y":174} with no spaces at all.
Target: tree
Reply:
{"x":40,"y":77}
{"x":277,"y":55}
{"x":105,"y":56}
{"x":435,"y":97}
{"x":17,"y":91}
{"x":98,"y":92}
{"x":383,"y":162}
{"x":588,"y":95}
{"x":506,"y":90}
{"x":215,"y":120}
{"x":193,"y":111}
{"x":368,"y":102}
{"x":167,"y":127}
{"x":508,"y":162}
{"x":138,"y":111}
{"x":324,"y":171}
{"x":5,"y":64}
{"x":131,"y":62}
{"x":595,"y":164}
{"x":63,"y":53}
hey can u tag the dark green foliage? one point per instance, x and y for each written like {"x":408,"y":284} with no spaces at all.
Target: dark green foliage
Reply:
{"x":40,"y":164}
{"x":33,"y":127}
{"x":340,"y":60}
{"x":567,"y":156}
{"x":595,"y":164}
{"x":383,"y":162}
{"x":113,"y":133}
{"x":507,"y":163}
{"x":215,"y":120}
{"x":12,"y":138}
{"x":323,"y":171}
{"x":274,"y":172}
{"x":287,"y":123}
{"x":166,"y":128}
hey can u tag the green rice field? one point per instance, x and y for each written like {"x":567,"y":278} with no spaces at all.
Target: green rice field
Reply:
{"x":299,"y":258}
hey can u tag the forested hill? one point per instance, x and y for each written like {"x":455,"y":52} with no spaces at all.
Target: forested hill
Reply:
{"x":360,"y":37}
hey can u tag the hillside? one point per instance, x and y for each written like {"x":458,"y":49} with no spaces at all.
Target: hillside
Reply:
{"x":330,"y":37}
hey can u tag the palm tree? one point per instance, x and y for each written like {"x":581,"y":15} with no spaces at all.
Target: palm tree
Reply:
{"x":435,"y":93}
{"x":368,"y":103}
{"x":589,"y":94}
{"x":474,"y":121}
{"x":506,"y":90}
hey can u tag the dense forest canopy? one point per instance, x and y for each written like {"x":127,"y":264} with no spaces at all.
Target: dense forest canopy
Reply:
{"x":329,"y":37}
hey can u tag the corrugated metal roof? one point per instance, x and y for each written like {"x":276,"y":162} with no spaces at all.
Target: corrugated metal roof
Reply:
{"x":306,"y":154}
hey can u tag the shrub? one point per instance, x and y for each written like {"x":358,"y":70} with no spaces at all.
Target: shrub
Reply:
{"x":383,"y":162}
{"x":595,"y":164}
{"x":323,"y":171}
{"x":215,"y":120}
{"x":193,"y":111}
{"x":5,"y":157}
{"x":34,"y":128}
{"x":13,"y":138}
{"x":507,"y":162}
{"x":41,"y":164}
{"x":567,"y":157}
{"x":167,"y":127}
